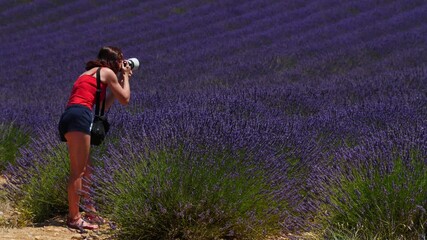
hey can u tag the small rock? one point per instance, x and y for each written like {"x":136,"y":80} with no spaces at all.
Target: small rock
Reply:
{"x":77,"y":237}
{"x":53,"y":229}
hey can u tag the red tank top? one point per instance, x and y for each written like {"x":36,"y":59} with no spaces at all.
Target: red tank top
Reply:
{"x":84,"y":91}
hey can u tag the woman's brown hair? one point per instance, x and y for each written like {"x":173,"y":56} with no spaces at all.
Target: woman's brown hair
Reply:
{"x":107,"y":57}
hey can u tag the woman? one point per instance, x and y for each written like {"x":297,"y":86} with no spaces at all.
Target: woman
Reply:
{"x":75,"y":124}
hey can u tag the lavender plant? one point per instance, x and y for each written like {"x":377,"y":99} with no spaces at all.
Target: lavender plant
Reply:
{"x":11,"y":139}
{"x":379,"y":194}
{"x":37,"y":182}
{"x":173,"y":193}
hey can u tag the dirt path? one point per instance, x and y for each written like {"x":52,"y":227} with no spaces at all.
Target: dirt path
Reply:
{"x":43,"y":233}
{"x":53,"y":229}
{"x":51,"y":232}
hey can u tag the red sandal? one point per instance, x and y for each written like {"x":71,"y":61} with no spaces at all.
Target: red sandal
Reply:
{"x":94,"y":218}
{"x":80,"y":224}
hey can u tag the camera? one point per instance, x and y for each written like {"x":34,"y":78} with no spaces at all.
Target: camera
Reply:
{"x":133,"y":63}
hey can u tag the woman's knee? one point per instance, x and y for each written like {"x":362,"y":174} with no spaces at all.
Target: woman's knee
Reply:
{"x":75,"y":176}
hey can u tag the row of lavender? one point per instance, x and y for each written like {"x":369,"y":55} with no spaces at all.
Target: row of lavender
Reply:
{"x":303,"y":86}
{"x":286,"y":61}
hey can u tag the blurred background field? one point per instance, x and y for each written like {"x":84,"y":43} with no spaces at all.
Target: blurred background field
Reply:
{"x":247,"y":119}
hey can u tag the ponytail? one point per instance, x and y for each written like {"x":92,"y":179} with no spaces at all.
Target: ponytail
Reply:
{"x":107,"y":57}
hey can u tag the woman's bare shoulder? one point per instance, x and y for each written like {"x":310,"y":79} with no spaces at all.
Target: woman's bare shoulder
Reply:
{"x":108,"y":73}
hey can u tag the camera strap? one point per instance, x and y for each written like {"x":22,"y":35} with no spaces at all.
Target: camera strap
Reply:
{"x":98,"y":94}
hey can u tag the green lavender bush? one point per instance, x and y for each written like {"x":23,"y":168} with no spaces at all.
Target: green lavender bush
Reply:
{"x":11,"y":139}
{"x":37,"y":182}
{"x":171,"y":194}
{"x":38,"y":188}
{"x":376,"y":203}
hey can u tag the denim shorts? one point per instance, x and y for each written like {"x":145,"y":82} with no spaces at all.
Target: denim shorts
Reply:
{"x":75,"y":118}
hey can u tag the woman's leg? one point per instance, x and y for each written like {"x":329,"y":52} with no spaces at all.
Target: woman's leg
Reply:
{"x":89,"y":207}
{"x":79,"y":148}
{"x":86,"y":185}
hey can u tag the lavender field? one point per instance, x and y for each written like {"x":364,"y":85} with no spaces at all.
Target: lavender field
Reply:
{"x":247,"y":119}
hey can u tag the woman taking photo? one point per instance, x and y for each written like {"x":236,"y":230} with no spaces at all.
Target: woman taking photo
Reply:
{"x":75,"y":127}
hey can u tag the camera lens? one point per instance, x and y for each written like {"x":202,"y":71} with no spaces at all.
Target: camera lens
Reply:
{"x":131,"y":64}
